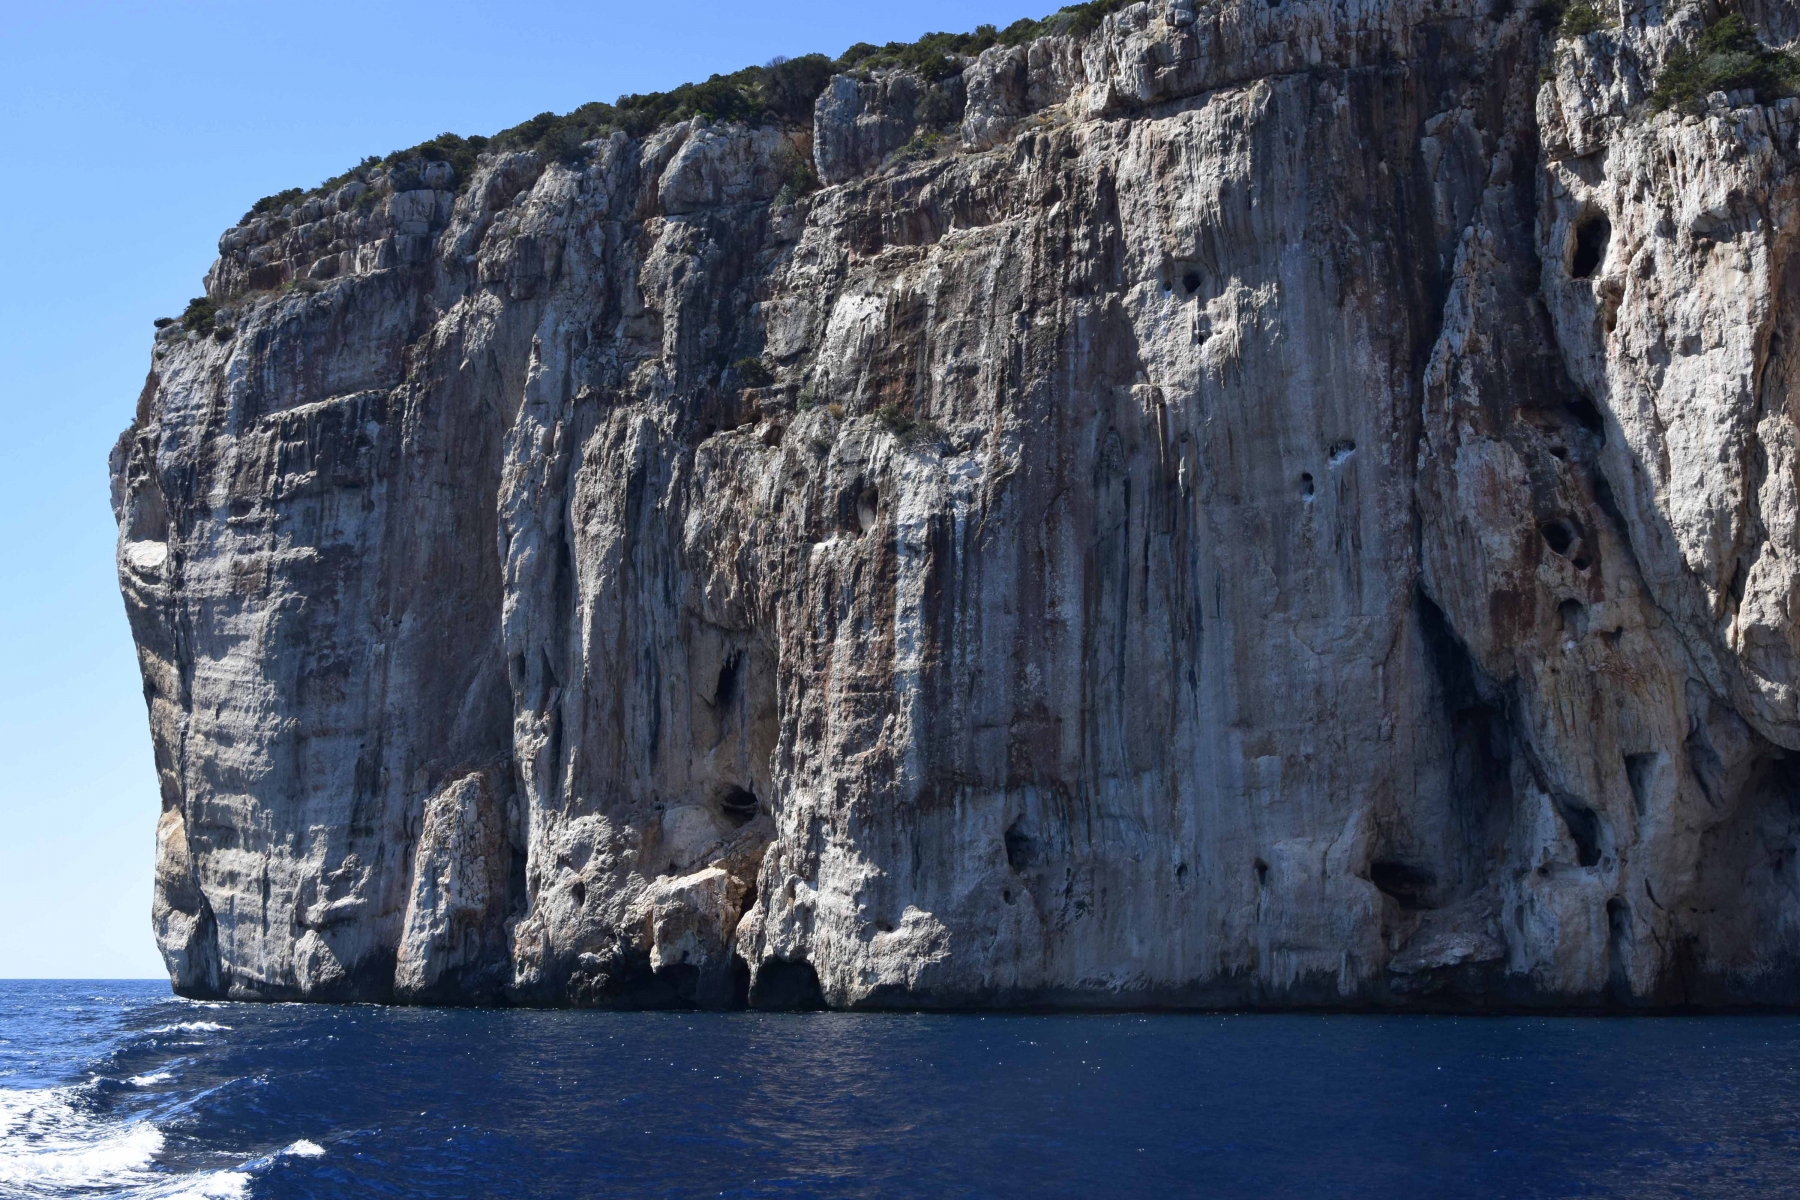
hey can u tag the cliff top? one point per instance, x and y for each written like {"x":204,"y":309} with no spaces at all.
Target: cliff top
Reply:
{"x":782,"y":91}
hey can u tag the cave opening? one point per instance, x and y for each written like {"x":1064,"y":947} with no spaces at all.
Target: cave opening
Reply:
{"x":1020,"y":849}
{"x":1409,"y":885}
{"x":1559,"y":535}
{"x":1480,"y":755}
{"x":738,"y":803}
{"x":784,"y":986}
{"x":1591,"y":238}
{"x":725,"y":690}
{"x":1583,"y":824}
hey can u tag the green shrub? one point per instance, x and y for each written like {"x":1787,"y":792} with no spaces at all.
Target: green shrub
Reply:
{"x":781,"y":92}
{"x":936,"y":107}
{"x":894,"y":420}
{"x":163,"y":322}
{"x":1728,"y":57}
{"x":275,"y":203}
{"x":798,"y":175}
{"x":751,"y":373}
{"x":1085,"y":18}
{"x":922,"y":146}
{"x":198,"y":316}
{"x":460,"y":152}
{"x":1580,"y":19}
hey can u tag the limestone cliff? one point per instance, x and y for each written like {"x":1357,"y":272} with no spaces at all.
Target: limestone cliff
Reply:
{"x":1254,"y":504}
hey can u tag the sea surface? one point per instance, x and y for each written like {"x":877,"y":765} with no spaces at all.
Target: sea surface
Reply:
{"x":117,"y":1089}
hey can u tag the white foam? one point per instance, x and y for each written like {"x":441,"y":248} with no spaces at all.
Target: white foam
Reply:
{"x":214,"y":1185}
{"x":190,"y":1027}
{"x":152,"y":1078}
{"x":48,"y":1142}
{"x":305,"y":1149}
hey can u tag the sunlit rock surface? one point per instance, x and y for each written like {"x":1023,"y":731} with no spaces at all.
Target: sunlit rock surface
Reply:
{"x":1259,"y":505}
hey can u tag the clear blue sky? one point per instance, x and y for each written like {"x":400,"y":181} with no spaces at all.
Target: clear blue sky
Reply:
{"x":134,"y":135}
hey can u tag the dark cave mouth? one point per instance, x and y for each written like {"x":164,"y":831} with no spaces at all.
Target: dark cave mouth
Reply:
{"x":1591,"y":239}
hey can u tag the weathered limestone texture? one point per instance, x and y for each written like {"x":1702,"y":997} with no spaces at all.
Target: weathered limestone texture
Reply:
{"x":1257,"y":505}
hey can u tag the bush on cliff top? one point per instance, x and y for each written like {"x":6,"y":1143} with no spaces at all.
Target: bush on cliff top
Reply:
{"x":1728,"y":57}
{"x":198,"y":316}
{"x":782,"y":91}
{"x":1580,"y":19}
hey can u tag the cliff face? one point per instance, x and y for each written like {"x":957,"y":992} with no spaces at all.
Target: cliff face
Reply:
{"x":1275,"y":505}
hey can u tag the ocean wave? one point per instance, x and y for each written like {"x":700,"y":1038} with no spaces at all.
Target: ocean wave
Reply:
{"x":49,"y":1143}
{"x":190,"y":1027}
{"x":304,"y":1149}
{"x":151,"y":1079}
{"x":214,"y":1185}
{"x":52,"y":1144}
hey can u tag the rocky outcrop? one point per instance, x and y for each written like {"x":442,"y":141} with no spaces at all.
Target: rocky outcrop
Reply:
{"x":1253,"y":505}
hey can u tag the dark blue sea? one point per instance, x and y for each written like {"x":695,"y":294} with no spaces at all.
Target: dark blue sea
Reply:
{"x":116,"y":1089}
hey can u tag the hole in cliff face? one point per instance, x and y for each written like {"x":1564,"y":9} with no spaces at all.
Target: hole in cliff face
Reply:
{"x":740,"y":982}
{"x":867,"y":507}
{"x":1559,"y":535}
{"x":1583,"y":824}
{"x":726,"y":688}
{"x":786,"y":987}
{"x":1591,"y":237}
{"x":1020,"y":849}
{"x":1740,"y":579}
{"x":738,"y":803}
{"x":1564,"y":537}
{"x":578,"y":892}
{"x":1408,"y":884}
{"x":1573,"y":616}
{"x":1586,"y":414}
{"x":516,"y":881}
{"x":1306,"y":487}
{"x":1480,"y":742}
{"x":1191,"y":282}
{"x":1262,"y":872}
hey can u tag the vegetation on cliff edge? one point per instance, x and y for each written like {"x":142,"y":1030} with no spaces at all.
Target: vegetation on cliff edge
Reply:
{"x":782,"y":92}
{"x":1728,"y":57}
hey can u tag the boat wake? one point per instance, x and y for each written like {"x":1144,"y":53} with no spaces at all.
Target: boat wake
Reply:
{"x":54,"y":1143}
{"x":126,"y":1130}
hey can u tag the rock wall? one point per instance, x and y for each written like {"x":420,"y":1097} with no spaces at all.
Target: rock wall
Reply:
{"x":1258,"y":505}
